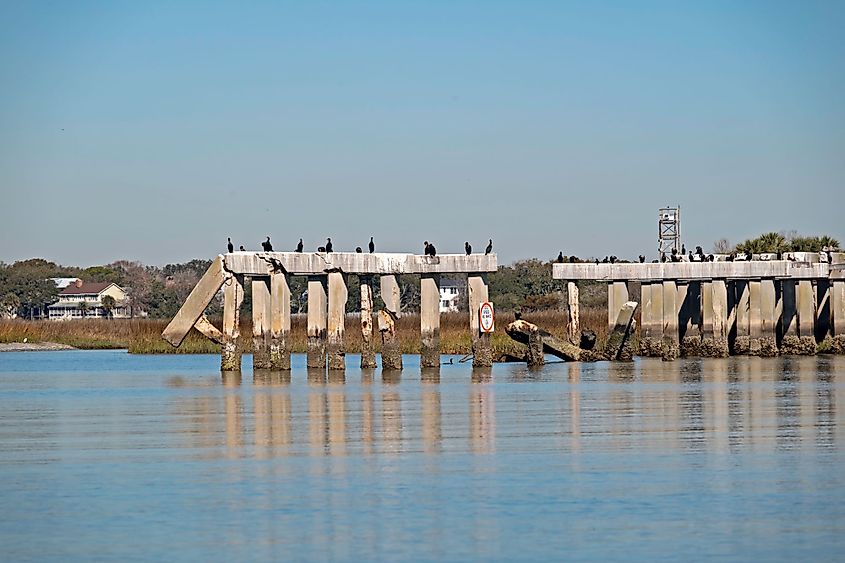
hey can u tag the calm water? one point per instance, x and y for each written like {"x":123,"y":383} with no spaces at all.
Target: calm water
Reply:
{"x":104,"y":455}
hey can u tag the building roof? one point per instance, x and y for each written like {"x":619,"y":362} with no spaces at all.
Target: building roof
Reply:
{"x":85,"y":288}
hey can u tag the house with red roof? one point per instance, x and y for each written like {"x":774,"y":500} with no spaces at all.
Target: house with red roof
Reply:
{"x":84,"y":300}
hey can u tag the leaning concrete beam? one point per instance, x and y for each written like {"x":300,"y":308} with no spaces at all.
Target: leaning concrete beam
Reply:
{"x":209,"y":330}
{"x":621,"y":331}
{"x":690,"y":271}
{"x":194,"y":306}
{"x":315,"y":263}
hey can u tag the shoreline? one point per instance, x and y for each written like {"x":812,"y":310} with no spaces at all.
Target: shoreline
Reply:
{"x":34,"y":347}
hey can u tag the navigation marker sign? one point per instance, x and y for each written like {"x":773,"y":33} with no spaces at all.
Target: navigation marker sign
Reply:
{"x":486,"y":317}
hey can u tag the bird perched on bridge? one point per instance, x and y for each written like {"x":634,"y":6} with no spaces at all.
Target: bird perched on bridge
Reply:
{"x":468,"y":247}
{"x":560,"y":259}
{"x":358,"y":249}
{"x":606,"y":260}
{"x":573,"y":259}
{"x":372,"y":245}
{"x":329,"y":244}
{"x":267,"y":246}
{"x":429,"y":249}
{"x":299,"y":246}
{"x":242,"y":249}
{"x":321,"y":249}
{"x":683,"y":249}
{"x":613,"y":259}
{"x":642,"y":259}
{"x":425,"y":247}
{"x":489,"y":248}
{"x":230,"y":246}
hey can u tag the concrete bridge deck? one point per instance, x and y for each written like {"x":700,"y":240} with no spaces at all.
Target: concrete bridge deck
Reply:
{"x":321,"y":263}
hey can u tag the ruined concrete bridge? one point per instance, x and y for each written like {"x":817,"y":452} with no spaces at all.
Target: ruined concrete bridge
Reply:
{"x":270,"y":273}
{"x":761,"y":307}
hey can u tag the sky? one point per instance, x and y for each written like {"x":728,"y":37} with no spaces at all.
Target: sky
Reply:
{"x":152,"y":130}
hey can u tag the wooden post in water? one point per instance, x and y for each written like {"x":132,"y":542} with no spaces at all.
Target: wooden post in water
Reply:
{"x":317,"y":322}
{"x":338,"y":296}
{"x":261,"y":315}
{"x":279,"y":321}
{"x":430,"y":320}
{"x":482,"y":354}
{"x":573,"y":300}
{"x":391,"y":351}
{"x":233,"y":296}
{"x":368,"y":354}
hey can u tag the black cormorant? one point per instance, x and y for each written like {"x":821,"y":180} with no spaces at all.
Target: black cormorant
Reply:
{"x":372,"y":245}
{"x":425,"y":248}
{"x":560,"y":258}
{"x":299,"y":246}
{"x":231,"y":246}
{"x":321,"y":249}
{"x":329,"y":244}
{"x":642,"y":259}
{"x":267,"y":246}
{"x":358,"y":249}
{"x":431,"y":250}
{"x":489,"y":248}
{"x":683,"y":249}
{"x":468,"y":248}
{"x":243,"y":249}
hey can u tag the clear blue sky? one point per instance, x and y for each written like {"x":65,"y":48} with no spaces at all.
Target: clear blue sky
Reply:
{"x":154,"y":130}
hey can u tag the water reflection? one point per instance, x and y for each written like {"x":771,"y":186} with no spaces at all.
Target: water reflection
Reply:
{"x":719,"y":405}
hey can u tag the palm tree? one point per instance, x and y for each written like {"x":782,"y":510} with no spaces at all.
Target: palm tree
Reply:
{"x":108,"y":303}
{"x":83,"y":306}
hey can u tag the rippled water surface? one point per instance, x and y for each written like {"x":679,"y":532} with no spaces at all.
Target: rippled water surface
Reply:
{"x":104,"y":455}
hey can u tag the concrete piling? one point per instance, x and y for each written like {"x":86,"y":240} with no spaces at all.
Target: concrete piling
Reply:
{"x":280,"y":342}
{"x":391,"y":351}
{"x":317,"y":322}
{"x":262,"y":314}
{"x":337,"y":298}
{"x":798,"y":317}
{"x":714,"y":310}
{"x":768,"y":322}
{"x":368,"y":354}
{"x":482,"y":354}
{"x":669,"y":338}
{"x":742,"y":343}
{"x":233,"y":296}
{"x":430,"y":320}
{"x":573,"y":300}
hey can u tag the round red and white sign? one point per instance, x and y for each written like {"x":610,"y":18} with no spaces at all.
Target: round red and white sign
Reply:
{"x":486,"y":317}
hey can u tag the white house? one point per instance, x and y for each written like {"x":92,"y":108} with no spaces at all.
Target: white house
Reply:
{"x":91,"y":293}
{"x":449,"y":292}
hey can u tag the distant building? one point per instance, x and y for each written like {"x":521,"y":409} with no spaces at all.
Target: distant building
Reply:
{"x":92,"y":293}
{"x":62,"y":283}
{"x":449,"y":292}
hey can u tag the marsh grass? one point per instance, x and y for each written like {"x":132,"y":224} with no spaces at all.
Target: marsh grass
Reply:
{"x":143,"y":336}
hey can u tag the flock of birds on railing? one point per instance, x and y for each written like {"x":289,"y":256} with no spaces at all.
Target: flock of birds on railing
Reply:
{"x":428,"y":247}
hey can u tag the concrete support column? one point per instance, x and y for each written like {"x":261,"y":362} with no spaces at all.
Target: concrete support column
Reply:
{"x":572,"y":296}
{"x":617,"y":296}
{"x":317,"y":321}
{"x":649,"y":326}
{"x":755,"y":323}
{"x":837,"y":310}
{"x":338,"y":296}
{"x":233,"y":297}
{"x":742,"y":343}
{"x":482,"y":354}
{"x":823,"y":310}
{"x":262,"y":314}
{"x":391,"y":352}
{"x":768,"y":321}
{"x":799,"y":316}
{"x":689,"y":319}
{"x":279,"y":321}
{"x":670,"y":337}
{"x":368,"y":354}
{"x":719,"y":288}
{"x":430,"y":320}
